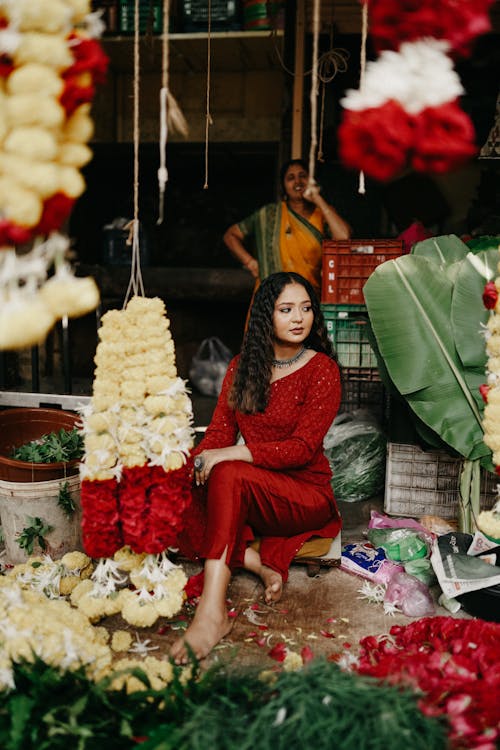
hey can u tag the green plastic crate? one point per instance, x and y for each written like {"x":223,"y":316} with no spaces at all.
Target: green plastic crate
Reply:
{"x":348,"y":331}
{"x":150,"y":16}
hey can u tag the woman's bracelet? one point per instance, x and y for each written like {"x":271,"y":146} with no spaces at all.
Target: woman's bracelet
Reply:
{"x":245,"y":265}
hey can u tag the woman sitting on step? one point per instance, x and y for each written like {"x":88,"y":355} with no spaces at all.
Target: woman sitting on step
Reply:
{"x":281,"y":395}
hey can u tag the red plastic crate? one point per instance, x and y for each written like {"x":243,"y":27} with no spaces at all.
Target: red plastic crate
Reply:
{"x":347,"y":264}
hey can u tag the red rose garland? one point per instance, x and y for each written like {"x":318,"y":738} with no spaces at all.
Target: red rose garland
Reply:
{"x":412,"y":87}
{"x":459,"y":23}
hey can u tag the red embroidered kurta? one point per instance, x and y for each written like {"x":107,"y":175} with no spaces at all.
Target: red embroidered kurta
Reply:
{"x":284,"y":497}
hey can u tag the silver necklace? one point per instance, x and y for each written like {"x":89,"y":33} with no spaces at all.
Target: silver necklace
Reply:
{"x":281,"y":363}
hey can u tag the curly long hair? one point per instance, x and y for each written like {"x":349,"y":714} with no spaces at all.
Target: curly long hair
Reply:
{"x":250,"y":389}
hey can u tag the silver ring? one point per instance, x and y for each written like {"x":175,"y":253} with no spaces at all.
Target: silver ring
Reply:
{"x":198,"y":463}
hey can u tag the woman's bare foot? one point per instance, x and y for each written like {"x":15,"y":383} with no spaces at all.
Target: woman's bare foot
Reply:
{"x":273,"y":582}
{"x":205,"y":632}
{"x":273,"y":585}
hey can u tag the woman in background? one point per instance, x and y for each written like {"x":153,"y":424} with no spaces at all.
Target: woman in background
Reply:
{"x":288,"y":235}
{"x":281,"y":395}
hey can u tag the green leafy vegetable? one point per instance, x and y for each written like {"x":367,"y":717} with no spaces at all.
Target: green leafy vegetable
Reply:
{"x":65,"y":500}
{"x":65,"y":445}
{"x":34,"y":532}
{"x":53,"y":710}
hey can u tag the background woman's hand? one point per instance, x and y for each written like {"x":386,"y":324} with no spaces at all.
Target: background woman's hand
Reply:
{"x":253,"y":267}
{"x":312,"y":192}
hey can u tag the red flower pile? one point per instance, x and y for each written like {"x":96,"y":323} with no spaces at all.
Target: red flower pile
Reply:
{"x":406,"y":112}
{"x":456,"y":666}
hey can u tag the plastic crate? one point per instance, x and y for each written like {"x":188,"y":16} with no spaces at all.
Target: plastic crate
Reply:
{"x":150,"y":16}
{"x":421,"y":482}
{"x":348,"y":332}
{"x":347,"y":265}
{"x":363,"y":389}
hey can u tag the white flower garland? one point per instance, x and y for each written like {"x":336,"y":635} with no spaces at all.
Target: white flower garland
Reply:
{"x":419,"y":75}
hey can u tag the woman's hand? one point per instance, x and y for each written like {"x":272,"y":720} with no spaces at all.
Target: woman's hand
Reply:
{"x":312,"y":192}
{"x":207,"y":459}
{"x":252,"y":266}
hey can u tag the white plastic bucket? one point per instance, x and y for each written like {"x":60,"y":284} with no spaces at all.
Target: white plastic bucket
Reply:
{"x":20,"y":500}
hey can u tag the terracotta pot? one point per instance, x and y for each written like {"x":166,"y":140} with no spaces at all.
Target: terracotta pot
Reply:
{"x":20,"y":426}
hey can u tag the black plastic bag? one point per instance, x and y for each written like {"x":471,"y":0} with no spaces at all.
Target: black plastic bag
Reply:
{"x":209,"y":365}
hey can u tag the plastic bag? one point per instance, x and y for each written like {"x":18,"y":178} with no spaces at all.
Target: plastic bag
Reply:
{"x":409,"y":594}
{"x":356,"y":449}
{"x":209,"y":365}
{"x":400,"y":544}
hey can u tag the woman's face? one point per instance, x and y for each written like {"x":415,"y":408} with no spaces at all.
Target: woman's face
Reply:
{"x":295,"y":181}
{"x":293,"y":315}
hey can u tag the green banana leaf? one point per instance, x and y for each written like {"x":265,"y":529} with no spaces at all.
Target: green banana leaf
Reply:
{"x":398,"y":412}
{"x":443,"y":250}
{"x":409,"y":301}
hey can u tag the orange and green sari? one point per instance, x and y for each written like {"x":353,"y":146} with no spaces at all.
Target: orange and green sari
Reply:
{"x":285,"y":241}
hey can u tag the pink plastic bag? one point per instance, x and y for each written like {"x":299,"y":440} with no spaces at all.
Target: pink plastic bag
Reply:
{"x":381,"y":521}
{"x":409,"y":594}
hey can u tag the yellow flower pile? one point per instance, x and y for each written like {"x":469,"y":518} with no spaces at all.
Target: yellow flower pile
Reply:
{"x":53,"y":578}
{"x":41,"y":149}
{"x":39,"y":619}
{"x":140,"y":412}
{"x":159,"y":589}
{"x":31,"y":625}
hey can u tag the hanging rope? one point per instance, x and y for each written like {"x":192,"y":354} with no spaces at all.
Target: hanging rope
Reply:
{"x":208,"y":117}
{"x":135,"y":285}
{"x":364,"y":35}
{"x":171,"y":117}
{"x":329,"y":64}
{"x":162,"y":170}
{"x":314,"y":93}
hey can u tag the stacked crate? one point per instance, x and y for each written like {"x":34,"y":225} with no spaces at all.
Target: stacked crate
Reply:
{"x":347,"y":264}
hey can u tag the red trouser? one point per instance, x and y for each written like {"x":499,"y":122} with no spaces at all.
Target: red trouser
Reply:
{"x":242,"y":500}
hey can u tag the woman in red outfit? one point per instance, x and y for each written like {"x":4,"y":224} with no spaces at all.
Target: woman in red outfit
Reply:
{"x":280,"y":395}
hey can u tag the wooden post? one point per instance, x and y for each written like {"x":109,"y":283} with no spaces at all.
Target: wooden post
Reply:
{"x":298,"y":81}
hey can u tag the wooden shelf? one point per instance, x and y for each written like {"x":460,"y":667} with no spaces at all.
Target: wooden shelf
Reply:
{"x":230,"y":51}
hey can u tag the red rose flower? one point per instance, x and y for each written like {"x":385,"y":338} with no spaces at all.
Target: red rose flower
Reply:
{"x":278,"y":652}
{"x":443,"y":138}
{"x":100,"y":519}
{"x":12,"y":234}
{"x":194,"y":585}
{"x":74,"y":94}
{"x":490,"y":297}
{"x":6,"y":66}
{"x":393,"y":22}
{"x":89,"y":58}
{"x":483,"y":390}
{"x":376,"y":140}
{"x":56,"y":210}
